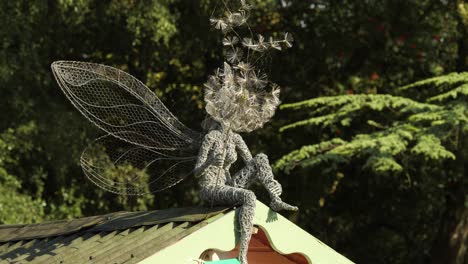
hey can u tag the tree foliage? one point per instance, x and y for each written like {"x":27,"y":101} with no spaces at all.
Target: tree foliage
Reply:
{"x":421,"y":144}
{"x":408,"y":129}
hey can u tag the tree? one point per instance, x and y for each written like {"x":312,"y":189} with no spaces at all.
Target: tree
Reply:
{"x":412,"y":148}
{"x":145,"y":38}
{"x":16,"y":206}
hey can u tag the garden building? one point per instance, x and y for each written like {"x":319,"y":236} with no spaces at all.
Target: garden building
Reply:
{"x":173,"y":236}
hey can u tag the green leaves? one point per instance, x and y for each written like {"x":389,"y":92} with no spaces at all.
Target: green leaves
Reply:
{"x":291,"y":160}
{"x":17,"y":206}
{"x":461,"y":90}
{"x":417,"y":129}
{"x":437,"y":82}
{"x":431,"y":147}
{"x":382,"y":163}
{"x":343,"y":109}
{"x":150,"y":20}
{"x":379,"y":148}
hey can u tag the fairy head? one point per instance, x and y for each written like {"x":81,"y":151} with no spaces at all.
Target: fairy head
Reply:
{"x":234,"y":99}
{"x":239,"y":95}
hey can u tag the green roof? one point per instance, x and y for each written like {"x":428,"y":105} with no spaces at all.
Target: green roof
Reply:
{"x":123,"y":237}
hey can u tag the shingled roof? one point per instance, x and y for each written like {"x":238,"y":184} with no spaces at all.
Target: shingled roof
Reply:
{"x":123,"y":237}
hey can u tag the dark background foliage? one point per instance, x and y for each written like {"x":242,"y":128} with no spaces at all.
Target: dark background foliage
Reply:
{"x":342,"y":48}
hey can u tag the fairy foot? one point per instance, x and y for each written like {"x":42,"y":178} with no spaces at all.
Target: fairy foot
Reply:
{"x":277,"y":205}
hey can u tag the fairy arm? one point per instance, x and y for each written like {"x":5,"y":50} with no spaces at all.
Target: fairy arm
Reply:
{"x":205,"y":148}
{"x":242,"y":148}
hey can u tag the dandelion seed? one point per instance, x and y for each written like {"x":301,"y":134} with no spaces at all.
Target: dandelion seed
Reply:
{"x":244,"y":67}
{"x":236,"y":19}
{"x":213,"y":83}
{"x":250,"y":44}
{"x":258,"y":79}
{"x":274,"y":44}
{"x":230,"y":41}
{"x":234,"y":55}
{"x":229,"y":81}
{"x":218,"y":75}
{"x":261,"y":43}
{"x":288,"y":39}
{"x":275,"y":91}
{"x":229,"y":78}
{"x":261,"y":39}
{"x":226,"y":70}
{"x":219,"y":24}
{"x":243,"y":79}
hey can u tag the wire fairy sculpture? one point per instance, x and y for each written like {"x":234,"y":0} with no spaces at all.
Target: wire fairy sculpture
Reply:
{"x":141,"y":133}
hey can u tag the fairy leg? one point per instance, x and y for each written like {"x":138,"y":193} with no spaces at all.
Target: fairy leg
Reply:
{"x":227,"y":195}
{"x":259,"y":169}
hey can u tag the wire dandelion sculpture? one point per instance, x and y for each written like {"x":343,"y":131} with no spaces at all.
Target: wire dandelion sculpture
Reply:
{"x":161,"y":151}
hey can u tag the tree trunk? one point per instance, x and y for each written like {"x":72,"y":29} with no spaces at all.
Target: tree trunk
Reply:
{"x":450,"y":246}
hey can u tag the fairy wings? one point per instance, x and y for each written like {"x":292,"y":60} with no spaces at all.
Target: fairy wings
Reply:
{"x":146,"y":148}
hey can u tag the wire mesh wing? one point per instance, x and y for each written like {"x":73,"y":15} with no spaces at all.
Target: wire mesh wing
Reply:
{"x":117,"y":102}
{"x":146,"y":149}
{"x":124,"y":168}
